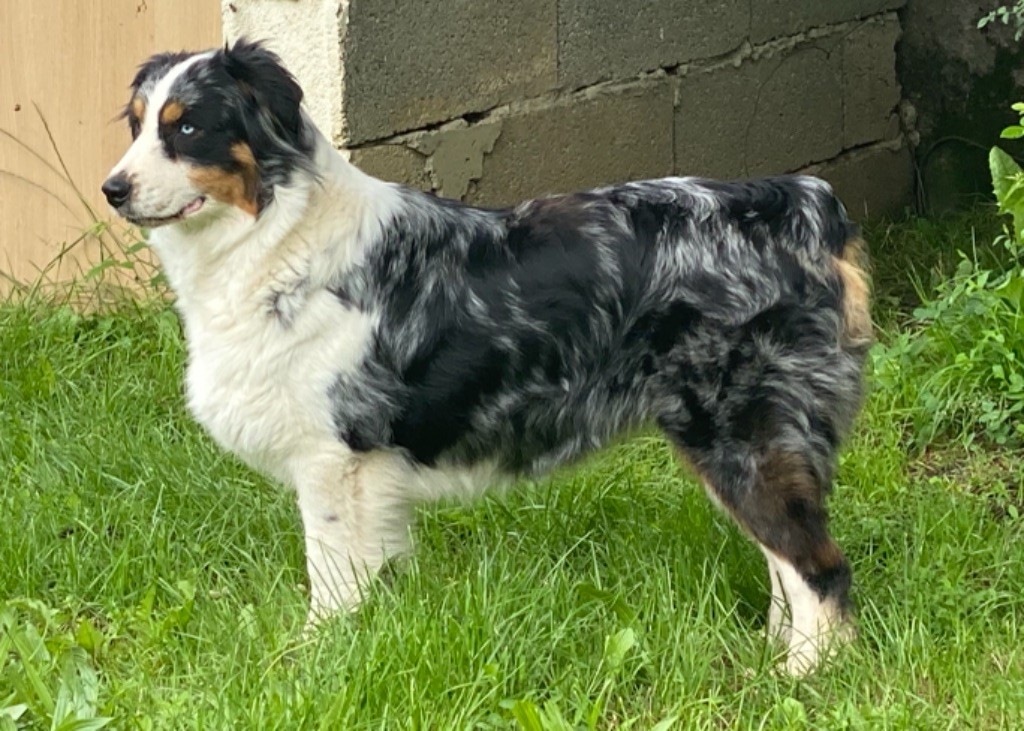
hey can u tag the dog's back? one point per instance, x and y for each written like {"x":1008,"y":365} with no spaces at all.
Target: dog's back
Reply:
{"x":533,"y":334}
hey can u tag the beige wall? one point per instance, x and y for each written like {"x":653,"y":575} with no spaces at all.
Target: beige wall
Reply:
{"x":74,"y":59}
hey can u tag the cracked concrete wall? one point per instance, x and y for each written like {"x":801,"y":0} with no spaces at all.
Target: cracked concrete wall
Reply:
{"x":491,"y":101}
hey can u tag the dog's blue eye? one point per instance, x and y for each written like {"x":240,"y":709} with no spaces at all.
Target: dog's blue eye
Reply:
{"x":186,"y":129}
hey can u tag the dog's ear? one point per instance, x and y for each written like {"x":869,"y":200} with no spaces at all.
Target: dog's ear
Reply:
{"x":270,"y":92}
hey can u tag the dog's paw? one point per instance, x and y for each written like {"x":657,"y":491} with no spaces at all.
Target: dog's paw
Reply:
{"x":806,"y":654}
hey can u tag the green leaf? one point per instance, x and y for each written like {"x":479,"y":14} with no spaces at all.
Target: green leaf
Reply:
{"x":88,"y":637}
{"x":617,"y":646}
{"x":1013,"y":132}
{"x":528,"y":716}
{"x":613,"y":601}
{"x":1003,"y":168}
{"x":553,"y":718}
{"x":13,"y":712}
{"x":32,"y":651}
{"x":1006,"y":176}
{"x":84,"y":724}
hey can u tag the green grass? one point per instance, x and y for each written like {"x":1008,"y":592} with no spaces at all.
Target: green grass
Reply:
{"x":147,"y":578}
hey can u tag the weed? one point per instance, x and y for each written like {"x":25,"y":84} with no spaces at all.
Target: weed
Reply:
{"x":113,"y":266}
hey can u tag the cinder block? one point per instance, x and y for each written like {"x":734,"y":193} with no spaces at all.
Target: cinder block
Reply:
{"x":611,"y":39}
{"x":873,"y":182}
{"x":602,"y":138}
{"x":765,"y":116}
{"x":394,"y":162}
{"x":776,"y":18}
{"x":870,"y":87}
{"x":409,"y":64}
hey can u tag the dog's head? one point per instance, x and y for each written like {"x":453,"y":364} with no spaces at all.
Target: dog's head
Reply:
{"x":212,"y":131}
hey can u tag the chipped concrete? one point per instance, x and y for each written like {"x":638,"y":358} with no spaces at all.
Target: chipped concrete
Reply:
{"x":778,"y":18}
{"x":455,"y":156}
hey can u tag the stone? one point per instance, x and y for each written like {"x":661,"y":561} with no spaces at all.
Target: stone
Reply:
{"x":588,"y":140}
{"x":778,"y":18}
{"x":766,"y":116}
{"x":611,"y":39}
{"x":408,"y":65}
{"x":455,"y":156}
{"x":961,"y":82}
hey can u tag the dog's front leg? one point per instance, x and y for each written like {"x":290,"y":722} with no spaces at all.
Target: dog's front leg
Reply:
{"x":356,"y":515}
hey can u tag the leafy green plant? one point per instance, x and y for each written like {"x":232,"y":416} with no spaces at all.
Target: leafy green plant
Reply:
{"x":958,"y":370}
{"x":1007,"y":14}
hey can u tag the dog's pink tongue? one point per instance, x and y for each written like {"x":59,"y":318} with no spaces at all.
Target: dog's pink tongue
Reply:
{"x":192,"y":207}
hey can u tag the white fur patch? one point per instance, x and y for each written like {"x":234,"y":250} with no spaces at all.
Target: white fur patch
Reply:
{"x":808,"y":625}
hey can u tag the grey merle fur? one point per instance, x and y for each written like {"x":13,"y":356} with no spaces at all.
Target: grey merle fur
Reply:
{"x":531,"y":335}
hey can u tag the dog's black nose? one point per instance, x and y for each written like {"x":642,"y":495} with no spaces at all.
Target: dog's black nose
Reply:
{"x":118,"y":190}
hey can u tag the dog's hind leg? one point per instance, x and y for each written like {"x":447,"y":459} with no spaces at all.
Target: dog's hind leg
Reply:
{"x":356,"y":517}
{"x":785,"y":513}
{"x":776,"y":498}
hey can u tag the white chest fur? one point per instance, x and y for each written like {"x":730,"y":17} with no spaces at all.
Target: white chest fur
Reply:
{"x":266,"y":339}
{"x":260,"y":385}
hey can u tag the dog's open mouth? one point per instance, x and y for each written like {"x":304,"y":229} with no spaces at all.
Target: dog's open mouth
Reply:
{"x":184,"y":213}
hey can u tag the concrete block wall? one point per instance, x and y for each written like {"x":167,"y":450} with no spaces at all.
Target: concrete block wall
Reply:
{"x":493,"y":101}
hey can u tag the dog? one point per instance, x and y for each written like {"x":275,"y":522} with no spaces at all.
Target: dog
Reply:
{"x":373,"y":346}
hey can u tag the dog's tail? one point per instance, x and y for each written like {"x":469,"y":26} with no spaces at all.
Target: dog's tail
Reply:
{"x":851,"y":264}
{"x":841,"y":238}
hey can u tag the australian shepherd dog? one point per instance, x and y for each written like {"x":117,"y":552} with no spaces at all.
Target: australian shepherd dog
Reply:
{"x":373,"y":346}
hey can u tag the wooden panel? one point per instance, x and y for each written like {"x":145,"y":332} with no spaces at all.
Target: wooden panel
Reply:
{"x":74,"y":60}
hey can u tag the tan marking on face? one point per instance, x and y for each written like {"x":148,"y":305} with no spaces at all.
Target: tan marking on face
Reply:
{"x":138,"y":107}
{"x":243,"y":154}
{"x":171,"y":112}
{"x":250,"y":172}
{"x":857,"y":330}
{"x":234,"y":188}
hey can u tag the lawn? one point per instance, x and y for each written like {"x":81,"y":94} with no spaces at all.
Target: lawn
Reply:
{"x":147,"y":578}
